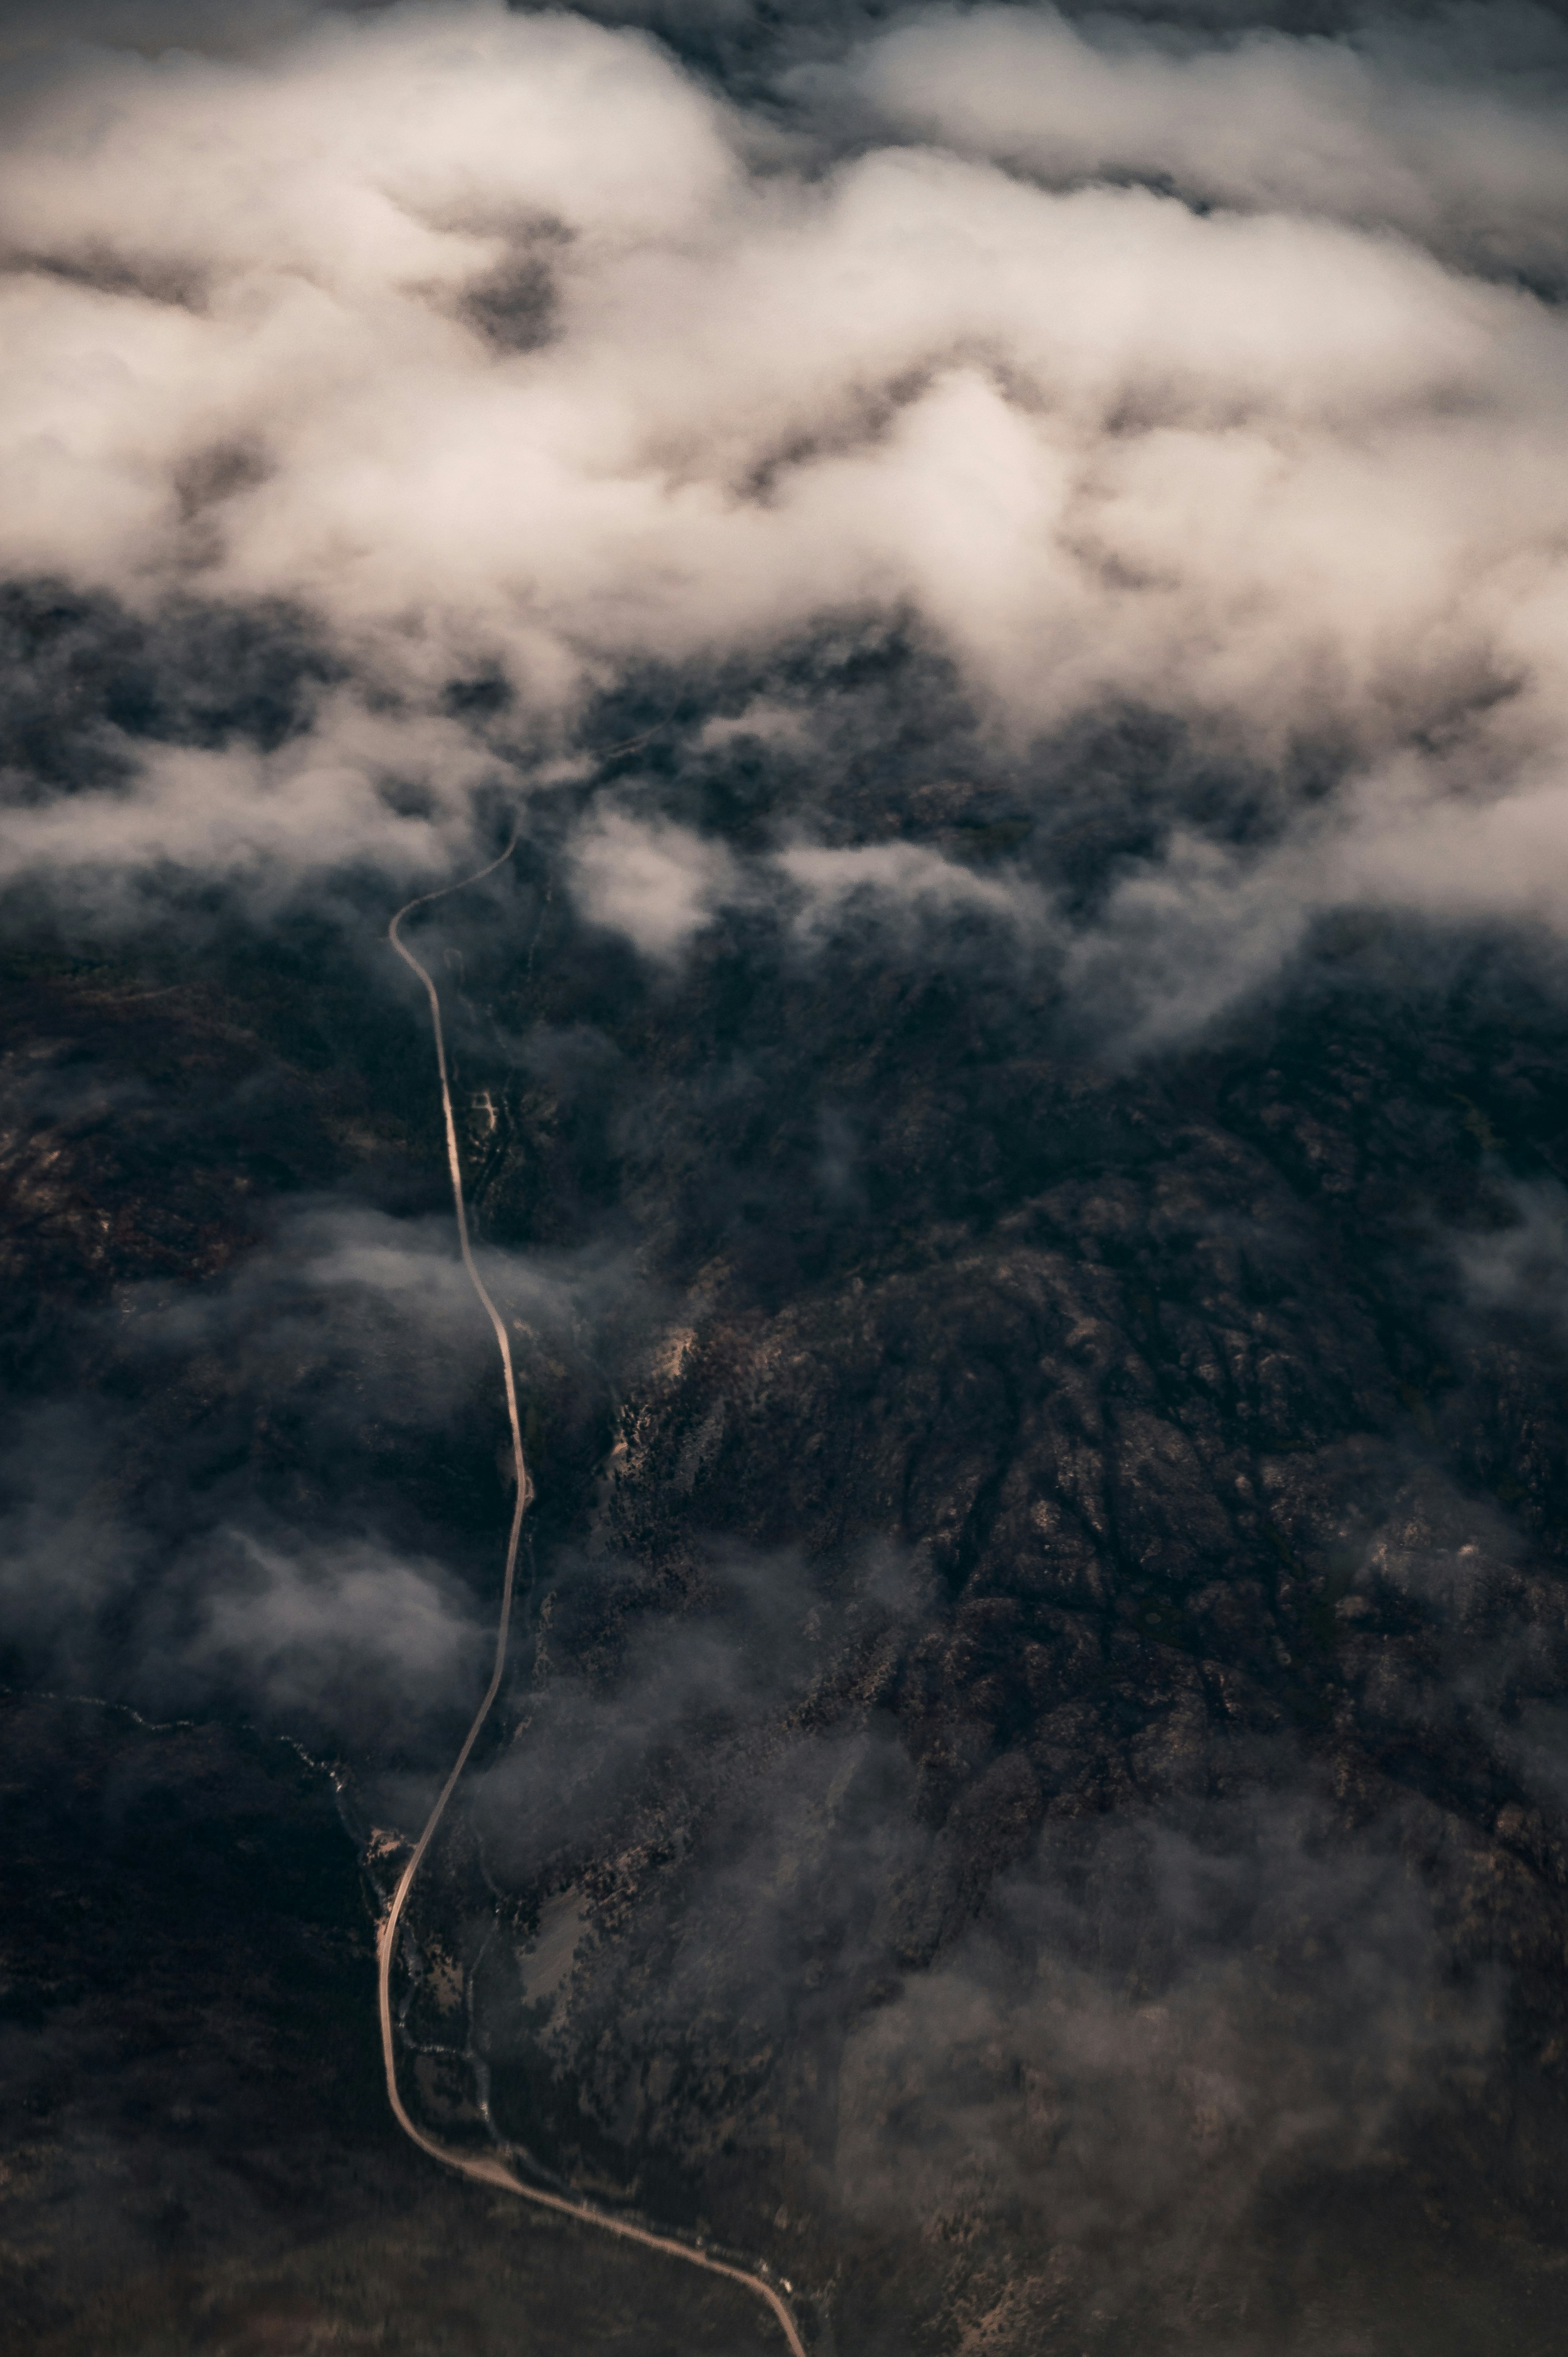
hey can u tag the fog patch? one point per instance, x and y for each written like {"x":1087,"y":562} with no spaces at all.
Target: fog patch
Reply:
{"x":904,"y":884}
{"x":1522,"y":1267}
{"x":67,"y":1547}
{"x":1150,"y":2026}
{"x":349,"y":1638}
{"x":657,"y":883}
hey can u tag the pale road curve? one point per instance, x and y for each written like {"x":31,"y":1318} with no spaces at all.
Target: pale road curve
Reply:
{"x":485,"y":2168}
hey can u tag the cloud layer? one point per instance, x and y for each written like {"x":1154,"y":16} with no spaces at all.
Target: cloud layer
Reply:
{"x":1220,"y":380}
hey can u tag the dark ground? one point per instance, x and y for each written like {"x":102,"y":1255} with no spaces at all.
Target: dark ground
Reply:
{"x":197,"y":2151}
{"x":1082,"y":1537}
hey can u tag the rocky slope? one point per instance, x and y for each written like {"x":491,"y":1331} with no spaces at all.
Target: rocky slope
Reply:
{"x":1031,"y":1789}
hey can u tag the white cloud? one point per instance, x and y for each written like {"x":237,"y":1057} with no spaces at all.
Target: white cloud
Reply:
{"x":355,"y":782}
{"x":656,"y":883}
{"x":1288,"y":471}
{"x":1390,"y":127}
{"x":901,"y":879}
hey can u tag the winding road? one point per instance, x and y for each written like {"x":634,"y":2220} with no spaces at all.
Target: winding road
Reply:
{"x":486,"y":2169}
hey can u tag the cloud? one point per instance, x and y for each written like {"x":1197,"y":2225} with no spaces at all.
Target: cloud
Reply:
{"x":222,"y":28}
{"x":904,"y":879}
{"x":1522,"y":1265}
{"x":1108,"y":2079}
{"x":1386,"y":125}
{"x":356,"y":782}
{"x":67,"y":1549}
{"x":1201,"y":377}
{"x":661,"y":884}
{"x":656,"y":883}
{"x":283,"y":1494}
{"x":351,"y":1637}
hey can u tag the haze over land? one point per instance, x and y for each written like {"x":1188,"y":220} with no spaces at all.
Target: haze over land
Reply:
{"x":1008,"y":567}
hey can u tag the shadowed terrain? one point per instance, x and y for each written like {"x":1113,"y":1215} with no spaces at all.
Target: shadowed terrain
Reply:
{"x":197,"y":2150}
{"x":1037,"y":1710}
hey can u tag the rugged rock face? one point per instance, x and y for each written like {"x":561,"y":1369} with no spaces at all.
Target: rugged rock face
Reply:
{"x":1042,"y":1739}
